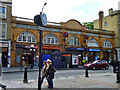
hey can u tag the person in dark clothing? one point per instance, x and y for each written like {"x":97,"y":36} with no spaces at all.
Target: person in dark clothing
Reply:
{"x":50,"y":76}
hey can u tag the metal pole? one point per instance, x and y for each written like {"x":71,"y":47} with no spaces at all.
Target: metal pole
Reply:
{"x":40,"y":59}
{"x":25,"y":75}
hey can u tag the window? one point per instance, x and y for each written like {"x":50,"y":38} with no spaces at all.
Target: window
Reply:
{"x":2,"y":12}
{"x":50,"y":39}
{"x":26,"y":37}
{"x":118,"y":20}
{"x":119,"y":32}
{"x":92,"y":43}
{"x":73,"y":41}
{"x":107,"y":44}
{"x":106,"y":24}
{"x":3,"y":28}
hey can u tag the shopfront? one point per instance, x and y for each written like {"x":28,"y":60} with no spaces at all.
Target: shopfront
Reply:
{"x":76,"y":56}
{"x":107,"y":54}
{"x":93,"y":54}
{"x":25,"y":53}
{"x":5,"y":53}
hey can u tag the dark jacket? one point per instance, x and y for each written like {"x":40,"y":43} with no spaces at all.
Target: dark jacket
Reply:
{"x":51,"y":71}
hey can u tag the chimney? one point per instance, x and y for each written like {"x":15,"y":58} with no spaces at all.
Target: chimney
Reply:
{"x":101,"y":15}
{"x":110,"y":11}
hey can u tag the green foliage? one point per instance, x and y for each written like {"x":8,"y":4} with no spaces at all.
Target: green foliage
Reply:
{"x":88,"y":24}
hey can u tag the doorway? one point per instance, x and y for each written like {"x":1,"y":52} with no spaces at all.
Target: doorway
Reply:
{"x":4,"y":59}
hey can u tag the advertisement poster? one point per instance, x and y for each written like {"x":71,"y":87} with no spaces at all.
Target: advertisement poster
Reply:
{"x":74,"y":59}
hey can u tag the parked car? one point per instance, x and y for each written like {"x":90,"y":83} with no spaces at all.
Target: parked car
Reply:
{"x":98,"y":64}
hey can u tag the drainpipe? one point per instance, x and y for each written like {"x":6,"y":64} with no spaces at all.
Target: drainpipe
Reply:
{"x":9,"y":47}
{"x":100,"y":28}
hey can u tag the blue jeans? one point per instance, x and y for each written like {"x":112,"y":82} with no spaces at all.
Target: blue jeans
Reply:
{"x":50,"y":82}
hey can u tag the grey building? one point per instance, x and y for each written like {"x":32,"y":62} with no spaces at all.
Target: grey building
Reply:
{"x":5,"y":31}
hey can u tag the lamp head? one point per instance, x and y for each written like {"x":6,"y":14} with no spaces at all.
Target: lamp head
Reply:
{"x":45,"y":4}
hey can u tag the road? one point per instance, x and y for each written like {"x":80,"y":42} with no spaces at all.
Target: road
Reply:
{"x":72,"y":78}
{"x":59,"y":74}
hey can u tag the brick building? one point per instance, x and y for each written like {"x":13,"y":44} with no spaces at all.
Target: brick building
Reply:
{"x":25,"y":42}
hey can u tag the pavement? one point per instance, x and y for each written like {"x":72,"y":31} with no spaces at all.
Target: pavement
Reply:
{"x":101,"y":81}
{"x":15,"y":69}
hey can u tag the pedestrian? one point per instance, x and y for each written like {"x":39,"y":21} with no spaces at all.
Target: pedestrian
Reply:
{"x":50,"y":76}
{"x":36,"y":63}
{"x":44,"y":71}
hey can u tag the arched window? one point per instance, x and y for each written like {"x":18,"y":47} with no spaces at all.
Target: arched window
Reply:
{"x":107,"y":44}
{"x":92,"y":43}
{"x":50,"y":39}
{"x":26,"y":37}
{"x":73,"y":41}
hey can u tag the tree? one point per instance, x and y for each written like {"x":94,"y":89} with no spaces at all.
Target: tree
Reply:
{"x":88,"y":24}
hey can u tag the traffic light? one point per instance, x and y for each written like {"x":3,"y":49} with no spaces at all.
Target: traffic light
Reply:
{"x":65,"y":34}
{"x":85,"y":38}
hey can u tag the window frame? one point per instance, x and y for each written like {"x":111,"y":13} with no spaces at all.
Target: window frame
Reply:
{"x":118,"y":20}
{"x":27,"y":37}
{"x":107,"y":44}
{"x":50,"y":39}
{"x":4,"y":30}
{"x":73,"y":41}
{"x":106,"y":24}
{"x":5,"y":12}
{"x":93,"y":44}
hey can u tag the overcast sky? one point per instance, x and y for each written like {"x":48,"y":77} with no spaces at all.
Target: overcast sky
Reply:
{"x":63,"y":10}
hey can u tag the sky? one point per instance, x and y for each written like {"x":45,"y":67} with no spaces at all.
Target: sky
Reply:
{"x":63,"y":10}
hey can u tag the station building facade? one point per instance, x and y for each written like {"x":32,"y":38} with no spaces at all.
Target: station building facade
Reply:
{"x":25,"y":42}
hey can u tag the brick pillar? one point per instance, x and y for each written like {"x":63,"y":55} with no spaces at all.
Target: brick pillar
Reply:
{"x":101,"y":54}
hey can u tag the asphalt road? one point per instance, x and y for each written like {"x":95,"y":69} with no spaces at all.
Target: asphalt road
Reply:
{"x":59,"y":74}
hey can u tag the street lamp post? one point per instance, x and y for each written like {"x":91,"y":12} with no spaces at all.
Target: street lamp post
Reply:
{"x":40,"y":20}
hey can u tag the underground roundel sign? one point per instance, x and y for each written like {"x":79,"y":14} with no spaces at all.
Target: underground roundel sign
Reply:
{"x":44,"y":19}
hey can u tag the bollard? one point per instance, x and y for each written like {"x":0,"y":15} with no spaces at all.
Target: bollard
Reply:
{"x":118,"y":77}
{"x":25,"y":76}
{"x":86,"y":71}
{"x":118,"y":73}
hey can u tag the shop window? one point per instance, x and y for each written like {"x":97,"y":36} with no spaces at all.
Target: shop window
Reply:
{"x":92,"y":43}
{"x":73,"y":41}
{"x":26,"y":37}
{"x":3,"y":27}
{"x":107,"y":44}
{"x":2,"y":12}
{"x":50,"y":39}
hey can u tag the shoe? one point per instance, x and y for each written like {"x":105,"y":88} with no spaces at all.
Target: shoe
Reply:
{"x":50,"y":87}
{"x":3,"y":86}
